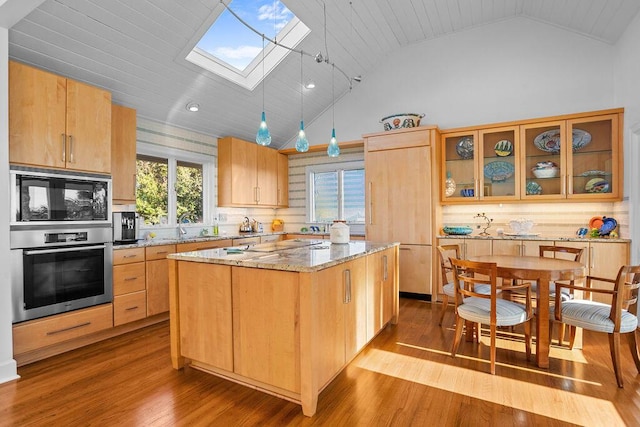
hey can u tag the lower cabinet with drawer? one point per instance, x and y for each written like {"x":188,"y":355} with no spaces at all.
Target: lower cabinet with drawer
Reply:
{"x":129,"y":286}
{"x":157,"y":277}
{"x":38,"y":333}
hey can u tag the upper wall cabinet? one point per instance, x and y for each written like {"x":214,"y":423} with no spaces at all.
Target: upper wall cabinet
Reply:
{"x":123,"y":154}
{"x":480,"y":164}
{"x":57,"y":122}
{"x":533,"y":160}
{"x":248,"y":174}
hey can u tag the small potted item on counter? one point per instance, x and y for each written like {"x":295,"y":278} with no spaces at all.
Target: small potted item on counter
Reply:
{"x":339,"y":232}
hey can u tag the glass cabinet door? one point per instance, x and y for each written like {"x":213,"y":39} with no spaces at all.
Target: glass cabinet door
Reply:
{"x":593,"y":160}
{"x":543,"y":174}
{"x":459,"y":172}
{"x":499,"y":151}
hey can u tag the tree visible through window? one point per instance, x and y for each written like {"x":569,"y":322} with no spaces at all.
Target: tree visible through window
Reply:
{"x":153,"y":183}
{"x":336,"y":193}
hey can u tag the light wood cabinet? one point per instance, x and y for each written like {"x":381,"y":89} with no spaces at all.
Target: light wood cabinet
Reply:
{"x":415,"y":269}
{"x":123,"y":154}
{"x":247,"y":174}
{"x":157,"y":278}
{"x":283,"y":180}
{"x":400,"y":181}
{"x":129,"y":286}
{"x":481,"y":164}
{"x":205,"y":314}
{"x":57,"y":122}
{"x":518,"y":247}
{"x":381,"y":270}
{"x":207,"y":244}
{"x":39,"y":333}
{"x":586,"y":149}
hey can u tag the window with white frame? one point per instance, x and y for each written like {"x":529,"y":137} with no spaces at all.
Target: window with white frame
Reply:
{"x":172,"y":186}
{"x":335,"y":192}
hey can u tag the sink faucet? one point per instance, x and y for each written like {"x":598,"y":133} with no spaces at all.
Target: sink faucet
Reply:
{"x":181,"y":231}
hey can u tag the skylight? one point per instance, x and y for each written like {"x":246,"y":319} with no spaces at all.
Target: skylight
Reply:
{"x":233,"y":51}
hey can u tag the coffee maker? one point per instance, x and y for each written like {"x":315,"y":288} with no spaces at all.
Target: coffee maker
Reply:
{"x":125,"y":227}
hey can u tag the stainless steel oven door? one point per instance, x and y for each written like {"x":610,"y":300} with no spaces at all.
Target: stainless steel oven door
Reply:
{"x":54,"y":280}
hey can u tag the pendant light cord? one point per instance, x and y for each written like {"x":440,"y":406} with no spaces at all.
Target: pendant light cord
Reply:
{"x":301,"y":89}
{"x":263,"y":73}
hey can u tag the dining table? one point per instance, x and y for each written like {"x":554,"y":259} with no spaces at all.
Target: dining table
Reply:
{"x":543,"y":270}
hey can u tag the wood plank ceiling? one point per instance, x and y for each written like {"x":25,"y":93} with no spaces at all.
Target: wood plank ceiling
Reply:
{"x":136,"y":50}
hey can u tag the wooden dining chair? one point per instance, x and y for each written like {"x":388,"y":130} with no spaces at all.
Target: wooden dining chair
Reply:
{"x":445,"y":252}
{"x":487,"y":309}
{"x":619,"y":317}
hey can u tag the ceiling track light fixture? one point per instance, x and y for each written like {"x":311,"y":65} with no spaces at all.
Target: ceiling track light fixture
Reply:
{"x":192,"y":106}
{"x":263,"y":137}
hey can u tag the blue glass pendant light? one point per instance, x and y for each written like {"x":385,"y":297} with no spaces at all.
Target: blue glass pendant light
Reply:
{"x":333,"y":150}
{"x":302,"y":144}
{"x":263,"y":137}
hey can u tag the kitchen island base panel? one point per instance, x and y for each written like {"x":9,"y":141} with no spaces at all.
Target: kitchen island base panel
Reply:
{"x":292,"y":332}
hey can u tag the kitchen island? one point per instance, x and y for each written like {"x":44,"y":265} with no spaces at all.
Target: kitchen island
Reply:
{"x":283,"y":317}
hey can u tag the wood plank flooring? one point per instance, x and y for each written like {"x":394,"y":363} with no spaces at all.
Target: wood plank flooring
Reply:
{"x":405,"y":377}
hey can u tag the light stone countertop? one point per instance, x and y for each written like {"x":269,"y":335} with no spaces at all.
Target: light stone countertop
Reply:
{"x":534,"y":237}
{"x":308,"y":257}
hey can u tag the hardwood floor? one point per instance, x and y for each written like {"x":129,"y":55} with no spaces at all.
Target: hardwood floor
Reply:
{"x":405,"y":377}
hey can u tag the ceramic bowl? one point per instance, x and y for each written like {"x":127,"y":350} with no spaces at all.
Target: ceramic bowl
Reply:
{"x":399,"y":121}
{"x":545,"y":173}
{"x":467,"y":192}
{"x":460,"y":230}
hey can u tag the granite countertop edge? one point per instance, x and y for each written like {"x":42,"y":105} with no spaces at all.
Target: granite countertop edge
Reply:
{"x":287,"y":263}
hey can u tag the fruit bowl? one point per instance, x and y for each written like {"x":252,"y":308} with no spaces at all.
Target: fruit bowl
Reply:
{"x":399,"y":121}
{"x":545,"y":173}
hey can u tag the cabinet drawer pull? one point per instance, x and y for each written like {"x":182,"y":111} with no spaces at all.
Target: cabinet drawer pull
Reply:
{"x":370,"y":203}
{"x":129,"y":256}
{"x":405,"y":249}
{"x":347,"y":287}
{"x":128,"y":279}
{"x":70,"y":328}
{"x":135,"y":307}
{"x":161,"y":252}
{"x":64,"y":147}
{"x":385,"y":272}
{"x":70,"y":148}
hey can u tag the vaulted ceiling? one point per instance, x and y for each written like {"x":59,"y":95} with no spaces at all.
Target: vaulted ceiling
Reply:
{"x":136,"y":50}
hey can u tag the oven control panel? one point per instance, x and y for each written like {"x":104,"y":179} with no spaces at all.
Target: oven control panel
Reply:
{"x":80,"y":236}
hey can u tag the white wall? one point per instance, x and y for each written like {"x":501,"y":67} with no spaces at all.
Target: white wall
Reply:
{"x":627,"y":91}
{"x":8,"y":369}
{"x":514,"y":69}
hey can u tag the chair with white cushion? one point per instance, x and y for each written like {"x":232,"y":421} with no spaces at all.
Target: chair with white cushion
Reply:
{"x":445,"y":252}
{"x":619,"y":317}
{"x":475,"y":307}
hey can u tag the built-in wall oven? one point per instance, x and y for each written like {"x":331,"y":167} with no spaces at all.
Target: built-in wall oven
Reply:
{"x":60,"y":240}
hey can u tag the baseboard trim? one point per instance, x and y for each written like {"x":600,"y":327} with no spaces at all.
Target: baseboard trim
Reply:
{"x":413,"y":295}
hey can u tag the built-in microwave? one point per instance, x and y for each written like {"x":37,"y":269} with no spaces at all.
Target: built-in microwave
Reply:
{"x":46,"y":197}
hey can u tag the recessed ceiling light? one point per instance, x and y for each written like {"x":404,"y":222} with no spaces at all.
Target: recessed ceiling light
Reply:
{"x":193,"y":107}
{"x":310,"y":85}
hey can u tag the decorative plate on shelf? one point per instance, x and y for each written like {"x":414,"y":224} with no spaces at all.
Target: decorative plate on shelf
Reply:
{"x":596,"y":222}
{"x":595,"y":173}
{"x":597,"y":185}
{"x":549,"y":141}
{"x":464,"y":148}
{"x":533,"y":188}
{"x":503,"y":148}
{"x":498,"y":171}
{"x":608,"y":225}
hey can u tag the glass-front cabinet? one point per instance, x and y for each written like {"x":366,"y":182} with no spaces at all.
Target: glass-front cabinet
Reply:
{"x":586,"y":168}
{"x":533,"y":160}
{"x":481,"y":165}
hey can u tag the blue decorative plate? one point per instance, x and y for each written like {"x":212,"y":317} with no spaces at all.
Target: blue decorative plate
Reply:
{"x":608,"y":225}
{"x":498,"y":171}
{"x":460,"y":230}
{"x":464,"y":148}
{"x":549,"y":141}
{"x":533,"y":188}
{"x":595,"y":173}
